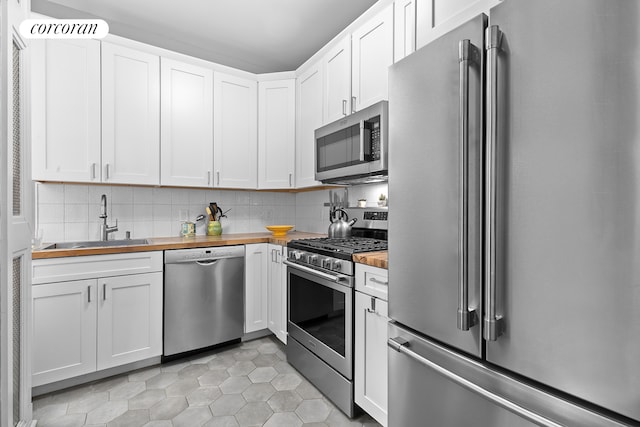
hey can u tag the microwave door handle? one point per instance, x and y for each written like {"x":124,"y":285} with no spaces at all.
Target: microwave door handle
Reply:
{"x":362,"y":140}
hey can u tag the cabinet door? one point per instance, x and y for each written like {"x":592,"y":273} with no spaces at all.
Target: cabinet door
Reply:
{"x":66,"y":110}
{"x":437,"y":17}
{"x":255,"y":287}
{"x":404,"y":32}
{"x":129,"y":319}
{"x":372,"y":54}
{"x":187,"y":125}
{"x":130,"y":116}
{"x":64,"y":330}
{"x":235,"y":123}
{"x":371,"y":372}
{"x":276,"y":134}
{"x":277,"y":293}
{"x":337,"y":81}
{"x":309,"y":118}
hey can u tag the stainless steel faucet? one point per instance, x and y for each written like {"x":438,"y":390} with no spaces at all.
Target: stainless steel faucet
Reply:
{"x":104,"y":228}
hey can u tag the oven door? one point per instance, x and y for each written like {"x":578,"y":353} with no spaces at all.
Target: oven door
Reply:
{"x":320,"y":315}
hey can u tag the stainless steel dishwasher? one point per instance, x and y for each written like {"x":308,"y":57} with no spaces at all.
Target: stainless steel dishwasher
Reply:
{"x":203,"y":297}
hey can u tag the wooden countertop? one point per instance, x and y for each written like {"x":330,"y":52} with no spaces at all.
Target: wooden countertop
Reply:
{"x":375,"y":259}
{"x":164,"y":243}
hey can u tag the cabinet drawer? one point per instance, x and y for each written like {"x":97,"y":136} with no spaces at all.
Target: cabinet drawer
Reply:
{"x":92,"y":266}
{"x":372,"y":281}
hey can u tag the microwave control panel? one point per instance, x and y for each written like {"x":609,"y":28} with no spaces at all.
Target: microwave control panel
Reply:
{"x":375,"y":138}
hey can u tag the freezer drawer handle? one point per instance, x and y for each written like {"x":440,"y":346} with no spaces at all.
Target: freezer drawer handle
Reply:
{"x":401,"y":345}
{"x":467,"y":54}
{"x":493,"y":324}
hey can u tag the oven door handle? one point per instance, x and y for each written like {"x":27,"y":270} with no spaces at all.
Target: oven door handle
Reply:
{"x":326,"y":276}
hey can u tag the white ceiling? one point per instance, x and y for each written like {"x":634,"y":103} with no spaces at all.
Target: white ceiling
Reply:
{"x":259,"y":36}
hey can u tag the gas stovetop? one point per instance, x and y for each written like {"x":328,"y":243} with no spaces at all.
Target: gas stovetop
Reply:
{"x":341,"y":247}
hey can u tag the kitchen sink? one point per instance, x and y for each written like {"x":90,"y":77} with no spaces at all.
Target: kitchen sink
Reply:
{"x":96,"y":244}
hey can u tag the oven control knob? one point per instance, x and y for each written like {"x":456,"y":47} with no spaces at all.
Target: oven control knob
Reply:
{"x":313,"y":259}
{"x":296,"y":255}
{"x":337,"y":265}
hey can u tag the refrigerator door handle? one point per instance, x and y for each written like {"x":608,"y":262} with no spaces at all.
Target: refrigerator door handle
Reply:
{"x":402,"y":346}
{"x":467,"y":53}
{"x":493,"y":323}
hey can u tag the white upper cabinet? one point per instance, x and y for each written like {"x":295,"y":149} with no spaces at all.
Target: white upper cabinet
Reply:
{"x":66,"y":110}
{"x":276,"y":134}
{"x":436,"y":17}
{"x":404,"y":39}
{"x":235,"y":135}
{"x":372,"y":54}
{"x":337,"y":81}
{"x":308,"y":119}
{"x":130,"y":116}
{"x":186,"y":125}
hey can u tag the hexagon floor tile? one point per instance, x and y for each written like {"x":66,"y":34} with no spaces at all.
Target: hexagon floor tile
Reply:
{"x":246,"y":384}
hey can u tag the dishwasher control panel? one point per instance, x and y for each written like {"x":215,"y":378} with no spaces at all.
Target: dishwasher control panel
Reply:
{"x":202,"y":254}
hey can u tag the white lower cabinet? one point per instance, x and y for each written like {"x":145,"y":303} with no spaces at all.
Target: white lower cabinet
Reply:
{"x":277,"y":292}
{"x":129,"y":315}
{"x":95,"y":323}
{"x":371,"y":371}
{"x":255,"y":287}
{"x":265,"y":289}
{"x":64,"y":330}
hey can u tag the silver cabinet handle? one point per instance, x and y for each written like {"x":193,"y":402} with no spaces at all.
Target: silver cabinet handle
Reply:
{"x":344,"y":107}
{"x":104,"y":291}
{"x":290,"y":180}
{"x":208,"y":177}
{"x":402,"y":346}
{"x":493,"y":324}
{"x":218,"y":177}
{"x":89,"y":293}
{"x":467,"y":53}
{"x":353,"y":104}
{"x":376,"y":280}
{"x":93,"y":171}
{"x":106,"y":171}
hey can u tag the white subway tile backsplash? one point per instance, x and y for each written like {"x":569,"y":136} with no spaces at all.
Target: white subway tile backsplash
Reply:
{"x":179,"y":196}
{"x":76,"y":193}
{"x":121,"y":212}
{"x":51,"y":213}
{"x":50,"y":193}
{"x":74,"y":213}
{"x":121,"y":195}
{"x":142,"y":195}
{"x":71,"y":212}
{"x":161,"y":195}
{"x":76,"y":231}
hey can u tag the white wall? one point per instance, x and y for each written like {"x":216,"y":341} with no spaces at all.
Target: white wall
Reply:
{"x":69,"y":212}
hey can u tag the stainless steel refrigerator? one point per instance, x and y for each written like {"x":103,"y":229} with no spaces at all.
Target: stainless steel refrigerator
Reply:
{"x":514,"y":244}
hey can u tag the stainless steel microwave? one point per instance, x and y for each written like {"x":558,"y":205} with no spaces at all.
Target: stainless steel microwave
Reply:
{"x":354,"y":148}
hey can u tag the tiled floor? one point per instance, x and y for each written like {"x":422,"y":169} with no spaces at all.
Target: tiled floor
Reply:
{"x":248,"y":384}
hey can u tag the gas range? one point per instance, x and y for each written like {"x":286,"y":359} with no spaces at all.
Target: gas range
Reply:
{"x":333,"y":255}
{"x":321,"y":295}
{"x":341,"y":248}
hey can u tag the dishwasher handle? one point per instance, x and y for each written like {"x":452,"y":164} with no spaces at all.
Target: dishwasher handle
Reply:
{"x":207,"y":263}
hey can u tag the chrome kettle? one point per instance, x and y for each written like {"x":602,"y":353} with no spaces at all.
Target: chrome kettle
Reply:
{"x":340,"y":228}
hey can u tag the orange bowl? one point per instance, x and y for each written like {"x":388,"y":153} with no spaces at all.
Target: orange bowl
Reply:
{"x":279,"y":230}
